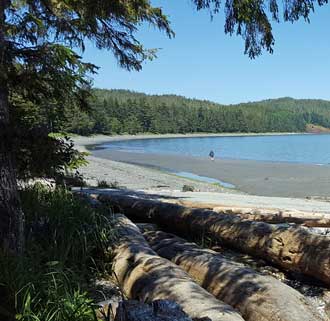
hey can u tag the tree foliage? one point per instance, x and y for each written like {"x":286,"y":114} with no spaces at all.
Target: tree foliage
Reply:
{"x":252,"y":19}
{"x":44,"y":76}
{"x":39,"y":68}
{"x":120,"y":111}
{"x":47,"y":81}
{"x":41,"y":71}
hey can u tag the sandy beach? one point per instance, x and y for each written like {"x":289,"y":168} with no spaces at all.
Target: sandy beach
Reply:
{"x":251,"y":177}
{"x":130,"y":176}
{"x":99,"y":139}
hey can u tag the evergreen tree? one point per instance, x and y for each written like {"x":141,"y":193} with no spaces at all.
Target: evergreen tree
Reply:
{"x":37,"y":64}
{"x":124,"y":111}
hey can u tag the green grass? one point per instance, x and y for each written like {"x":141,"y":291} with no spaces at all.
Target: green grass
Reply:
{"x":53,"y":298}
{"x":67,"y":245}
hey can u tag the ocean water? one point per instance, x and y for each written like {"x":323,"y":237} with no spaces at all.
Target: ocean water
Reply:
{"x":310,"y":149}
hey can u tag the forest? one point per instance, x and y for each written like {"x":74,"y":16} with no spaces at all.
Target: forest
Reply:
{"x":123,"y":111}
{"x":58,"y":246}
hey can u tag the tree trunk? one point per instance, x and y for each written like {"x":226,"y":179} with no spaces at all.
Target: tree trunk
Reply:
{"x":11,"y":214}
{"x":289,"y":247}
{"x":145,"y":276}
{"x":257,"y":297}
{"x":267,"y":215}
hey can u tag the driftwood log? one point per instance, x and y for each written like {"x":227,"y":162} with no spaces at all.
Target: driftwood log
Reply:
{"x":145,"y":276}
{"x":277,"y":217}
{"x":257,"y":297}
{"x":292,"y":248}
{"x":267,"y":215}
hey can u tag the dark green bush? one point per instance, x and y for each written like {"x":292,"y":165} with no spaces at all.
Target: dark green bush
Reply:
{"x":105,"y":184}
{"x":188,"y":188}
{"x":66,"y":247}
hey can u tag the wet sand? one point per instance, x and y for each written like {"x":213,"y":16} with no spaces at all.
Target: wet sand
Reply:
{"x":252,"y":177}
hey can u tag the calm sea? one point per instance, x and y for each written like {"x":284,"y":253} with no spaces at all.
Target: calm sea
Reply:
{"x":312,"y":149}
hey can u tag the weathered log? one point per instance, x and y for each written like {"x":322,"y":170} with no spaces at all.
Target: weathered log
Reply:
{"x":277,"y":217}
{"x":145,"y":276}
{"x":267,"y":215}
{"x":258,"y":297}
{"x":292,"y":248}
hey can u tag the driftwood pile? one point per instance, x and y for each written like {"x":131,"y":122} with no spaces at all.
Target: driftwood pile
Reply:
{"x":290,"y":247}
{"x":257,"y":297}
{"x":145,"y":276}
{"x":173,"y":279}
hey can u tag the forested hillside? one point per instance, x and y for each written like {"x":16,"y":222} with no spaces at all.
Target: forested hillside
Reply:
{"x":122,"y":111}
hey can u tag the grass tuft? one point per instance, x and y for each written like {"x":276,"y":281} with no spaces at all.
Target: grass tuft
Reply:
{"x":105,"y":184}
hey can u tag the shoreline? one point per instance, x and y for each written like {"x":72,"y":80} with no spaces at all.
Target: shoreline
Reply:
{"x":136,"y":177}
{"x":82,"y":141}
{"x":251,"y":177}
{"x":272,"y":179}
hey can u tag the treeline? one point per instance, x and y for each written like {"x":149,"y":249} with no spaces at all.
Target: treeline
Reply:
{"x":122,"y":111}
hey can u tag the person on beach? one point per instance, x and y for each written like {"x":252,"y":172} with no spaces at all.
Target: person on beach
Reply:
{"x":211,"y":155}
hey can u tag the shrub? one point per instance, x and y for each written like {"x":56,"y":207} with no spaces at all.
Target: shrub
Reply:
{"x":71,"y":180}
{"x":188,"y":188}
{"x":105,"y":184}
{"x":66,"y":247}
{"x":62,"y":227}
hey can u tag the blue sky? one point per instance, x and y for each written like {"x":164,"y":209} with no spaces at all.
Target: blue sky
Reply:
{"x":202,"y":62}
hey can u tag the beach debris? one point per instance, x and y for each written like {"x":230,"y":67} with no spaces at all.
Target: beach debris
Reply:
{"x":276,"y":216}
{"x":145,"y":276}
{"x":257,"y":297}
{"x":290,"y":247}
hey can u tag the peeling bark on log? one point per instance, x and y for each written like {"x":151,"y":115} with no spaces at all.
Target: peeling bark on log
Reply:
{"x":277,"y":217}
{"x":257,"y":297}
{"x":145,"y":276}
{"x":292,"y":248}
{"x":267,"y":215}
